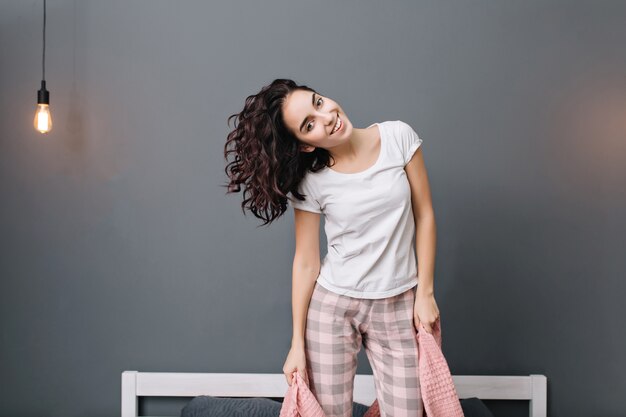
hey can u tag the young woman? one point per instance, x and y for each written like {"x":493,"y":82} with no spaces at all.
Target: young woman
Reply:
{"x":374,"y":197}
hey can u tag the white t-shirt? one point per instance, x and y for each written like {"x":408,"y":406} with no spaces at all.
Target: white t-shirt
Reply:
{"x":369,"y":222}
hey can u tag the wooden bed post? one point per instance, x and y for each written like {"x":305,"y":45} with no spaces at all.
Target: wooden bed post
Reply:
{"x":129,"y":394}
{"x":538,"y":406}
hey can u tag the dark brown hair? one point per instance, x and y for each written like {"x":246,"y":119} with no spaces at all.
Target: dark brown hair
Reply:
{"x":267,"y":158}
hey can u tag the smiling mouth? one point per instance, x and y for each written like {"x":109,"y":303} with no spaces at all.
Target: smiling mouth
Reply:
{"x":338,"y":125}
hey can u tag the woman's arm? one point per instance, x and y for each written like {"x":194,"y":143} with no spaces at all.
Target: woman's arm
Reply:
{"x":425,"y":239}
{"x":306,"y":266}
{"x":423,"y":213}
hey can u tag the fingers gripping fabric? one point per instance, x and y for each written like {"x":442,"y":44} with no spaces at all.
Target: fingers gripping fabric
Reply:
{"x":299,"y":400}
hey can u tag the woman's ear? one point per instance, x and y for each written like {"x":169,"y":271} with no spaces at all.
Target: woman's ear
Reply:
{"x":307,"y":148}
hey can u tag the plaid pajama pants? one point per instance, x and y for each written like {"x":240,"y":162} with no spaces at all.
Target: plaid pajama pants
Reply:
{"x":337,"y":325}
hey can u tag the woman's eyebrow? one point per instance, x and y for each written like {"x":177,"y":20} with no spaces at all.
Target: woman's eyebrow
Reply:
{"x":305,"y":119}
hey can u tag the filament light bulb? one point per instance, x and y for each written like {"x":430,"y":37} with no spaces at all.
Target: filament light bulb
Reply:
{"x":43,"y":118}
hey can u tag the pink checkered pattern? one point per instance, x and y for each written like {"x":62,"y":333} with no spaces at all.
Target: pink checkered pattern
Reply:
{"x":336,"y":327}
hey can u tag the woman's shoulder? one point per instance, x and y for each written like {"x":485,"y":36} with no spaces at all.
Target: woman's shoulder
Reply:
{"x":399,"y":126}
{"x":395,"y":128}
{"x":404,"y":138}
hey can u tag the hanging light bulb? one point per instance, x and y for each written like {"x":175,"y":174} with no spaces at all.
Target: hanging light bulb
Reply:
{"x":43,"y":119}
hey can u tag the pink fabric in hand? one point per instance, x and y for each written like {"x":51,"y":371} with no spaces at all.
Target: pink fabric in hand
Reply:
{"x":436,"y":384}
{"x":299,"y":400}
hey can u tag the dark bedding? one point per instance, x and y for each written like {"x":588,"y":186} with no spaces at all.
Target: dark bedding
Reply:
{"x":208,"y":406}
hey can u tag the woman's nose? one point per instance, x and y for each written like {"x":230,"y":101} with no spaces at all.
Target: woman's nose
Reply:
{"x":328,"y":118}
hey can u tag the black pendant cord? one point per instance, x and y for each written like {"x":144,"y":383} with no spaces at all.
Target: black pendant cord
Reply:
{"x":43,"y":95}
{"x":43,"y":58}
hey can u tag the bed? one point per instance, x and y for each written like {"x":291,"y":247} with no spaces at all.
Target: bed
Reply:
{"x":173,"y":384}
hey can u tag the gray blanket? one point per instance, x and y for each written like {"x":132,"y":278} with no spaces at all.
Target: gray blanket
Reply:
{"x":208,"y":406}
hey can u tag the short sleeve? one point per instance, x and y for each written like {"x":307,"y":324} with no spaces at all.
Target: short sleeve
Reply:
{"x":409,"y":141}
{"x":310,"y":203}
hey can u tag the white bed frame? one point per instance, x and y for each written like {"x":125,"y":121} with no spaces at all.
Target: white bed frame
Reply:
{"x":171,"y":384}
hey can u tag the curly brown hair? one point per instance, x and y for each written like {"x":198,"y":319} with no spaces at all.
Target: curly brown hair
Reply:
{"x":267,"y":158}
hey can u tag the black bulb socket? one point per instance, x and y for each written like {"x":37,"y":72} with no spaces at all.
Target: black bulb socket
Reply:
{"x":43,"y":95}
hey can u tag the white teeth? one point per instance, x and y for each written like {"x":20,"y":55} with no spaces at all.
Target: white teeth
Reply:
{"x":336,"y":125}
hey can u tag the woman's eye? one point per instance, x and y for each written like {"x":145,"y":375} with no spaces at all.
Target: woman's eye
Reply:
{"x":307,"y":126}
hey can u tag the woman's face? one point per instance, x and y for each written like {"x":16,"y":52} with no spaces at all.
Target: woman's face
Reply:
{"x":312,"y":118}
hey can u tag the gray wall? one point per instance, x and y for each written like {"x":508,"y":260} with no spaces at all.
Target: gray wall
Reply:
{"x":120,"y":249}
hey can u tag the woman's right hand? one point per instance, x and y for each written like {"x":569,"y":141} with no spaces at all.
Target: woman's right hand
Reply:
{"x":296,"y":360}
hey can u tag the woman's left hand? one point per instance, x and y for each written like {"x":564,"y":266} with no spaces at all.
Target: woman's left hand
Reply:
{"x":425,"y":311}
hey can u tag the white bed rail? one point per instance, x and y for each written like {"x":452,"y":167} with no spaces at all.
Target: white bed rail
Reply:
{"x":173,"y":384}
